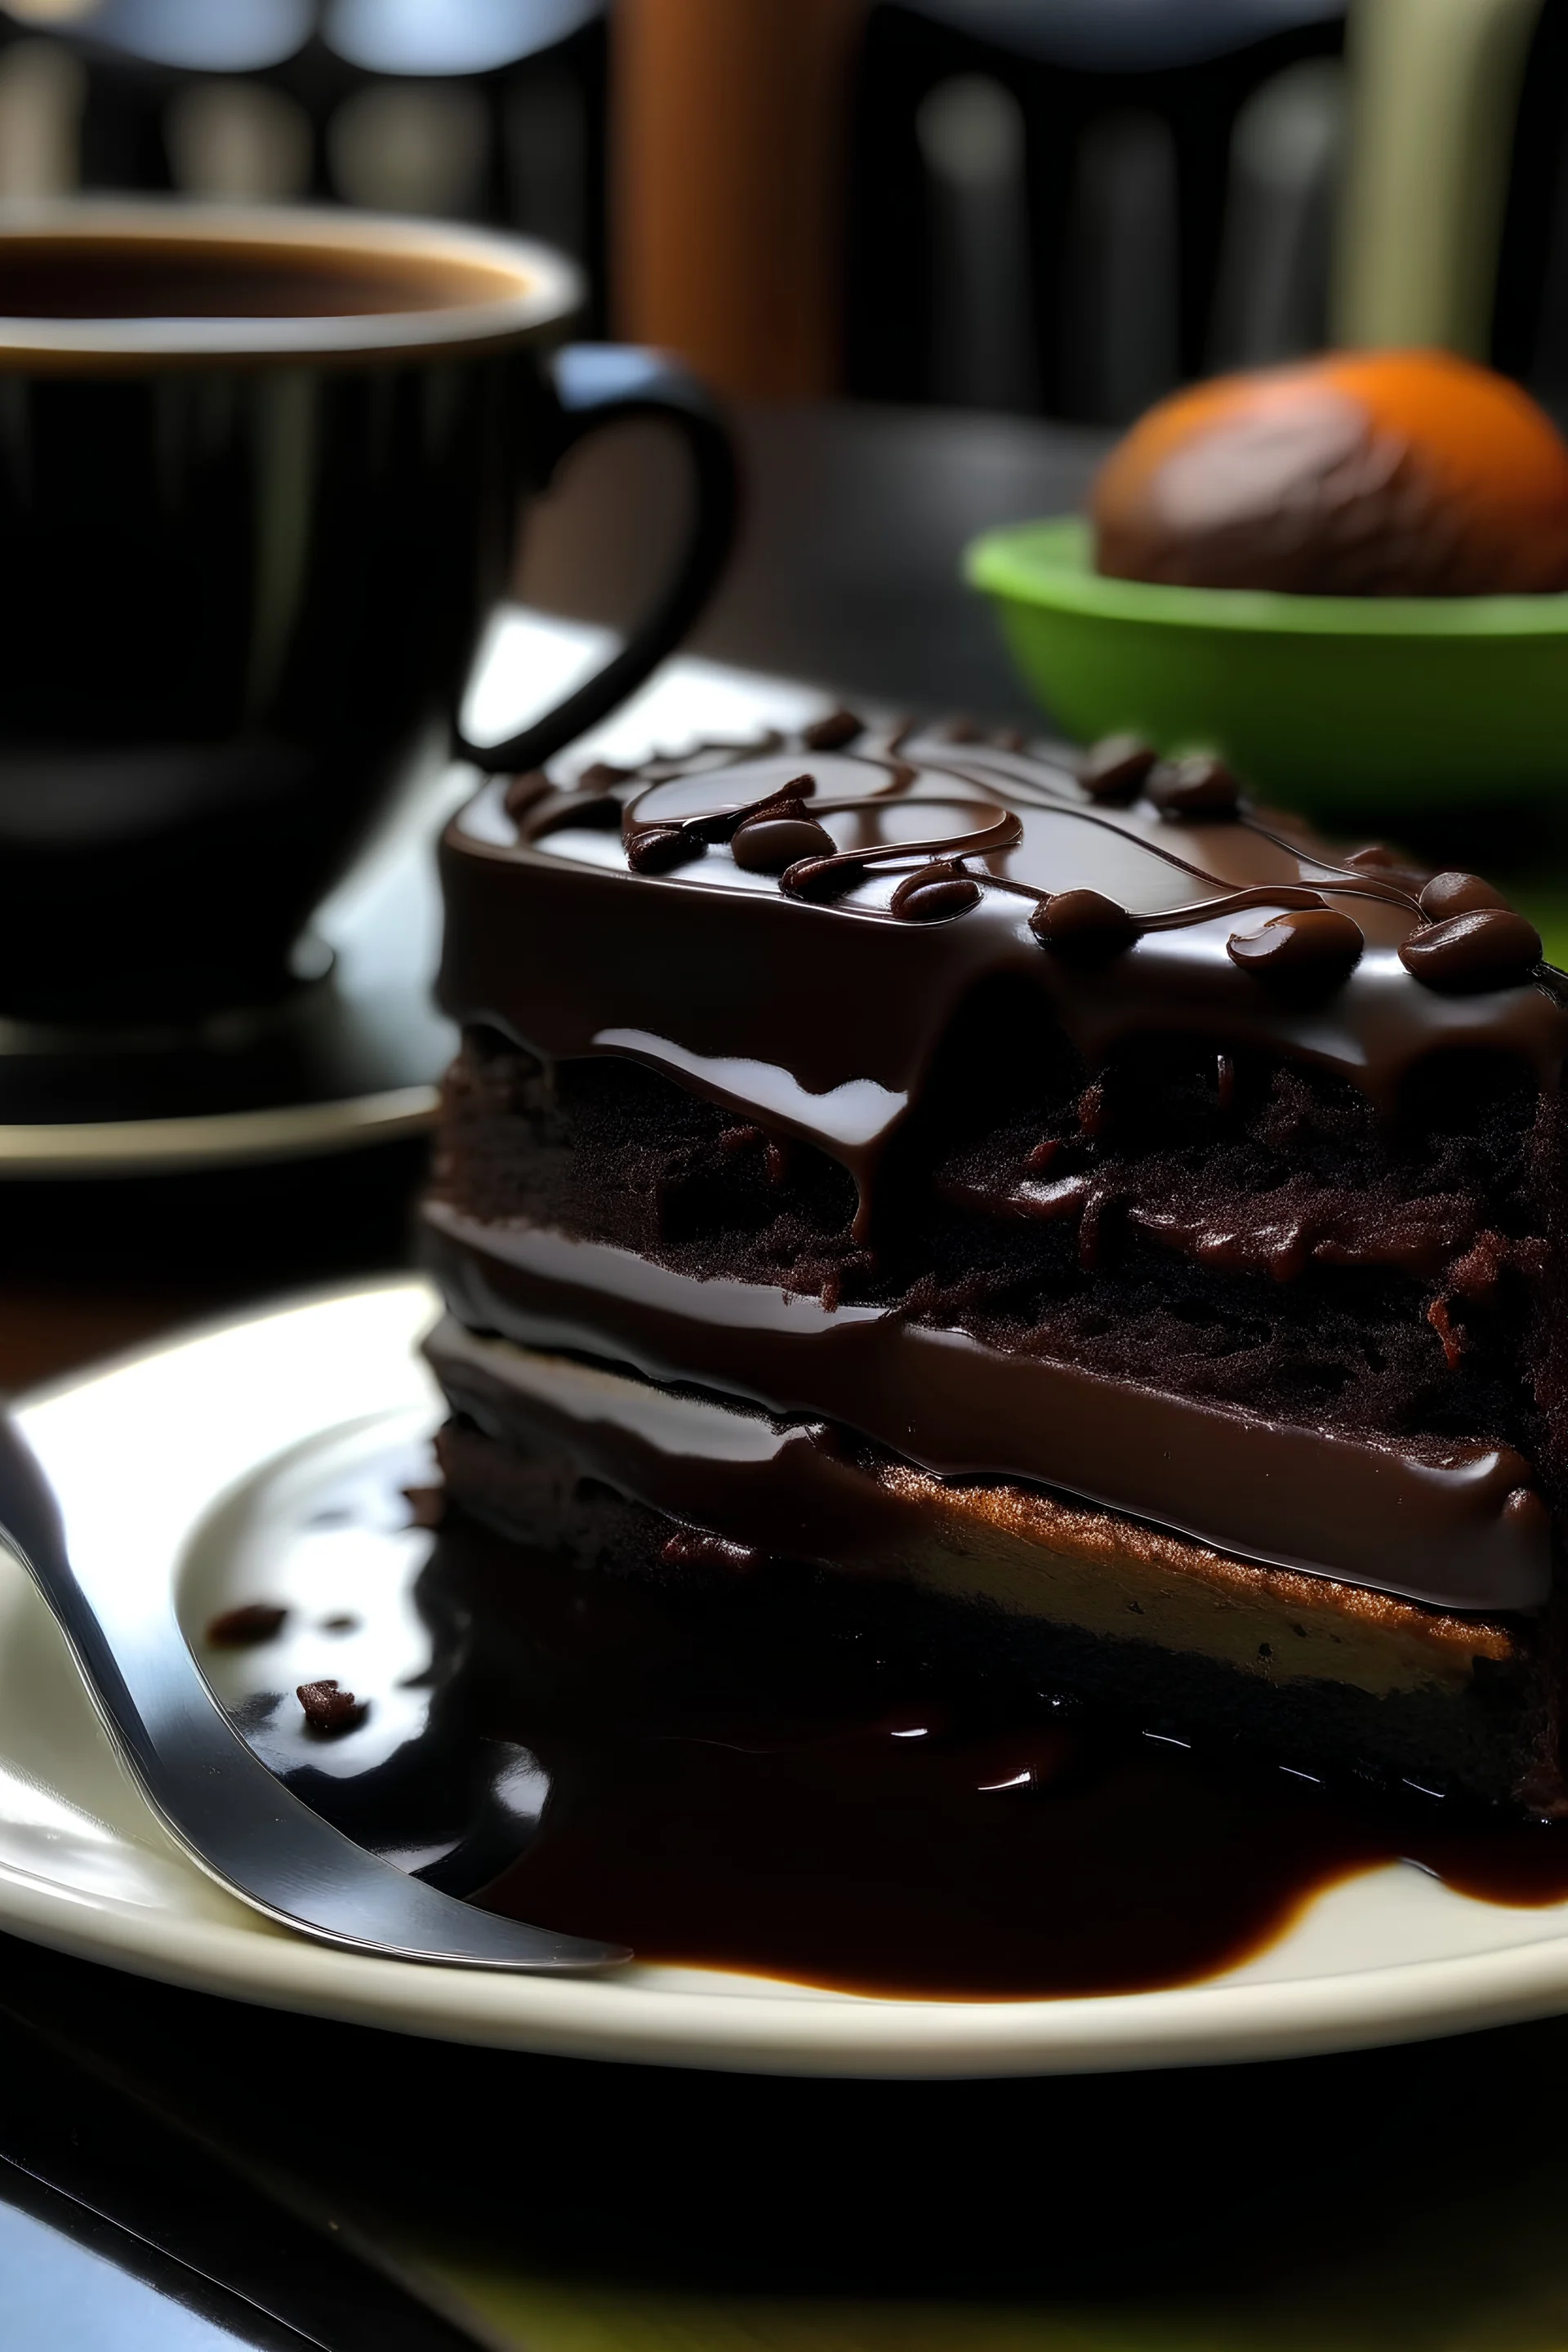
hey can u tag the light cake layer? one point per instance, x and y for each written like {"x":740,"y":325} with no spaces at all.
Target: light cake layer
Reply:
{"x":629,"y":1475}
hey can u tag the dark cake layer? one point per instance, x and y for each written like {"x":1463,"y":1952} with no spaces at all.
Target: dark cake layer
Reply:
{"x":614,"y":1473}
{"x":1410,"y":1330}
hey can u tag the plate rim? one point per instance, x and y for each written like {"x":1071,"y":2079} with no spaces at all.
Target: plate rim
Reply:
{"x":703,"y":2019}
{"x":131,"y":1147}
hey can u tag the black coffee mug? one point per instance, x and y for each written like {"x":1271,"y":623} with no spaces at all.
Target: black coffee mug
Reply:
{"x":260,"y":478}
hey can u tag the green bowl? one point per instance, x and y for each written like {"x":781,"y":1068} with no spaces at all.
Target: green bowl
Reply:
{"x":1349,"y":706}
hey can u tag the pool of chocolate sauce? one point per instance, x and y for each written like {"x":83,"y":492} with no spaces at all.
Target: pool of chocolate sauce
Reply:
{"x":751,"y":1778}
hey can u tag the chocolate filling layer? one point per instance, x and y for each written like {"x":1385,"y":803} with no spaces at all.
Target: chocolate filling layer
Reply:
{"x":1452,"y":1524}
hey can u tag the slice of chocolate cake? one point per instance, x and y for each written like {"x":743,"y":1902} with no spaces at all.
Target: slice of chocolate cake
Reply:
{"x":1075,"y":1198}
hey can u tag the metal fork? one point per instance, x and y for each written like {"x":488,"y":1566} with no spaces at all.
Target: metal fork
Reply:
{"x":242,"y":1826}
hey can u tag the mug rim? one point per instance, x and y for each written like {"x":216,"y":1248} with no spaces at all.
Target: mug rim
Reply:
{"x":549,"y":288}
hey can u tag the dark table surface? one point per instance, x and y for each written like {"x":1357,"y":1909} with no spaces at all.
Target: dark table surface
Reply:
{"x":173,"y":2168}
{"x":856,"y":517}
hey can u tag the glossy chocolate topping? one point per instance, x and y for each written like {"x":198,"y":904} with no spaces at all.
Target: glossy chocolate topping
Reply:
{"x":812,"y":991}
{"x":1454,"y":1524}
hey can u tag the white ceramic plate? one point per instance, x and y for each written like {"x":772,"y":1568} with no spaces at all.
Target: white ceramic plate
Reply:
{"x":216,"y":1452}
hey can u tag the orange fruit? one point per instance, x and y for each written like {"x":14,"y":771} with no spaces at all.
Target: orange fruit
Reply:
{"x":1362,"y":473}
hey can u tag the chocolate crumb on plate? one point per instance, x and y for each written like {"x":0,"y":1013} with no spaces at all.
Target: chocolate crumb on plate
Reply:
{"x":247,"y":1627}
{"x":330,"y":1710}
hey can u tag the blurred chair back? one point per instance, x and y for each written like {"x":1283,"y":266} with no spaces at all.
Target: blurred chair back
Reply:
{"x":1057,"y":205}
{"x":1064,"y":206}
{"x":1073,"y":204}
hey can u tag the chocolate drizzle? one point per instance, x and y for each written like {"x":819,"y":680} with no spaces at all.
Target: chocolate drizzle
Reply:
{"x":775,"y":835}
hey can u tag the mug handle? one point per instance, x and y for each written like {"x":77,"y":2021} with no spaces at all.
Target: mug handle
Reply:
{"x":598,"y":385}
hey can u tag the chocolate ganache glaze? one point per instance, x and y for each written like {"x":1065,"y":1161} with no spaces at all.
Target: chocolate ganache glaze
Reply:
{"x":789,"y":931}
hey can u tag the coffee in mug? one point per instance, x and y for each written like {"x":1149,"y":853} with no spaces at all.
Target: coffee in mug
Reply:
{"x":260,"y":478}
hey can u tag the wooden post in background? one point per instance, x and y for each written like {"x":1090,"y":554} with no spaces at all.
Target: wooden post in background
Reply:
{"x":729,"y":124}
